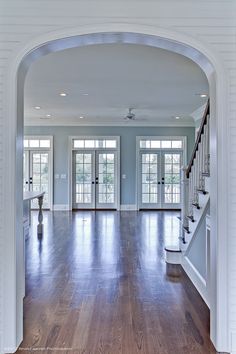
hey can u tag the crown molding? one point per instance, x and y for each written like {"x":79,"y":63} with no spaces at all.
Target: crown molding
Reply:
{"x":116,"y":124}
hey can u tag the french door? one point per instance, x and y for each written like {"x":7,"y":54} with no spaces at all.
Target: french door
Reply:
{"x":159,"y":179}
{"x":37,"y":175}
{"x":94,"y":179}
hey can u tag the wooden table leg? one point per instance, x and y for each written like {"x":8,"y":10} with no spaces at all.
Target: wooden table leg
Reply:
{"x":40,"y":217}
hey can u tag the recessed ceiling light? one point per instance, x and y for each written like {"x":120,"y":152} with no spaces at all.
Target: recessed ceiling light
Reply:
{"x":48,"y":115}
{"x":63,"y":94}
{"x":203,"y":95}
{"x":37,"y":107}
{"x":81,"y":117}
{"x":177,"y":117}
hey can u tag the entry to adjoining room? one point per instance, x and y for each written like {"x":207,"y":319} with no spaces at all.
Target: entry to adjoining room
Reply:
{"x":113,"y":187}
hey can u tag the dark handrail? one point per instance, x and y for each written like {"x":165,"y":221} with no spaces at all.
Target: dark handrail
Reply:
{"x":198,"y":140}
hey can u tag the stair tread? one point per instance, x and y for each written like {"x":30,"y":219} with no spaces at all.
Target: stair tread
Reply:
{"x":196,"y":205}
{"x":186,"y":228}
{"x":203,"y":191}
{"x":172,"y":248}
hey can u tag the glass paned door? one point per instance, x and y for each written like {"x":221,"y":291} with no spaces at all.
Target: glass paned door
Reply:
{"x":26,"y":176}
{"x":36,"y":169}
{"x":94,"y":179}
{"x":39,"y":176}
{"x":150,"y":196}
{"x":159,"y":179}
{"x":106,"y":180}
{"x":171,"y":178}
{"x":83,"y":175}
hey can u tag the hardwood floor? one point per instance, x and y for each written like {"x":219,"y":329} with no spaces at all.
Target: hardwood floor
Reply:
{"x":97,"y":283}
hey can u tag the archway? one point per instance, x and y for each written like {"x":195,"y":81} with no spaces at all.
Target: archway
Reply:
{"x":112,"y":33}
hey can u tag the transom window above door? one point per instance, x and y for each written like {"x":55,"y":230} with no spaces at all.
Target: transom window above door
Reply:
{"x":94,"y":143}
{"x":160,"y":144}
{"x":37,"y":143}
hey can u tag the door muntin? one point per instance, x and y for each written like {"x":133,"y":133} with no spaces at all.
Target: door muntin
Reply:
{"x":94,"y":179}
{"x":159,"y":179}
{"x":106,"y":180}
{"x":83,"y":179}
{"x":149,"y":180}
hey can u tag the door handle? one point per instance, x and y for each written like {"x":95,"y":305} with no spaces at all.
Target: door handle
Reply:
{"x":26,"y":182}
{"x":96,"y":182}
{"x":159,"y":182}
{"x":93,"y":182}
{"x":162,"y":182}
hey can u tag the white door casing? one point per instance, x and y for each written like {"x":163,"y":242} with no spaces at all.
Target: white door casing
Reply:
{"x":155,"y":36}
{"x":103,"y":194}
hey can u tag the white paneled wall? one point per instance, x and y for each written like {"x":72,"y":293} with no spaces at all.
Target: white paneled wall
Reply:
{"x":213,"y":22}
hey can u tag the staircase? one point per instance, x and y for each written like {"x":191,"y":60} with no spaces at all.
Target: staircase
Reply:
{"x":195,"y":193}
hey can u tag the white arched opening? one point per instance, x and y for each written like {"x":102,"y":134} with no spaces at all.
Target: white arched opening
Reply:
{"x":100,"y":34}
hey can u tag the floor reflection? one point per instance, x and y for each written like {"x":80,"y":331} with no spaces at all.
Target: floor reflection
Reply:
{"x":97,"y":282}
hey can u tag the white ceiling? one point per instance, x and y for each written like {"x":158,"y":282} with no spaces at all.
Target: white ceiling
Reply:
{"x":158,"y":84}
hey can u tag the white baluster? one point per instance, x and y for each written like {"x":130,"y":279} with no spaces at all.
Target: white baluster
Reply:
{"x":202,"y":160}
{"x":206,"y":159}
{"x":185,"y":200}
{"x":208,"y":144}
{"x":190,"y":201}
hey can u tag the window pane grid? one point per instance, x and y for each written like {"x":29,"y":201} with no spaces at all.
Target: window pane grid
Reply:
{"x":149,"y":179}
{"x":95,"y":143}
{"x":172,"y":178}
{"x":40,"y":175}
{"x":160,"y":144}
{"x":83,"y":172}
{"x":37,"y":143}
{"x":106,"y":171}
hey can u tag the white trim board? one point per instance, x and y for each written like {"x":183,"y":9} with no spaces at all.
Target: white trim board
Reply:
{"x":197,"y":50}
{"x":196,"y":278}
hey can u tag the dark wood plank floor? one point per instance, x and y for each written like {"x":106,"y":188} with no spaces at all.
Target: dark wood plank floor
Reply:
{"x":98,"y":283}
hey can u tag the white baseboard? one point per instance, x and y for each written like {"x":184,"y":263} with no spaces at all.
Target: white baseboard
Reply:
{"x":9,"y":350}
{"x":58,"y":207}
{"x":128,"y":207}
{"x":196,"y":278}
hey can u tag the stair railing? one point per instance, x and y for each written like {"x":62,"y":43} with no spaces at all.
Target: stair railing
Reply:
{"x":193,"y":176}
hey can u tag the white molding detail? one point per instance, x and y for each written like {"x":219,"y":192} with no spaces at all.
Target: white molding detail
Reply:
{"x":57,"y":207}
{"x":124,"y":207}
{"x":109,"y":124}
{"x":9,"y":350}
{"x":196,"y":278}
{"x":65,"y":37}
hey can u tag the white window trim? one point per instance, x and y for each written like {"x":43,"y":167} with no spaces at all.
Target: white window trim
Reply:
{"x":138,"y":149}
{"x":44,"y":137}
{"x":70,"y":161}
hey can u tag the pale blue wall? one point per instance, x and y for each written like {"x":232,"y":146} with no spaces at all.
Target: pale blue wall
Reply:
{"x":128,"y":152}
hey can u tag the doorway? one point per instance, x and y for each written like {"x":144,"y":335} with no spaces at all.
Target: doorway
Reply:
{"x":159,"y":171}
{"x":95,"y":173}
{"x":160,"y":180}
{"x":37,"y":168}
{"x":156,"y":37}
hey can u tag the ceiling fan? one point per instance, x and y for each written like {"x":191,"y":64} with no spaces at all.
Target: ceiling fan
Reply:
{"x":131,"y":116}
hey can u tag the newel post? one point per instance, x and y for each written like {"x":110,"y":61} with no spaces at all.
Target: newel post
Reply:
{"x":184,"y":202}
